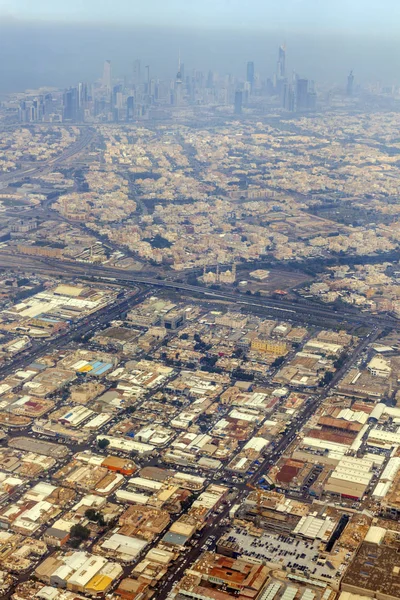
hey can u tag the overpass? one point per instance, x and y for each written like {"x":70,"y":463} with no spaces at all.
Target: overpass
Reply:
{"x":296,"y":310}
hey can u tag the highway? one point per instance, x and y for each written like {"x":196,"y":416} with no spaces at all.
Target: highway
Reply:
{"x":298,"y":310}
{"x":213,"y":528}
{"x":86,"y":137}
{"x":75,"y":333}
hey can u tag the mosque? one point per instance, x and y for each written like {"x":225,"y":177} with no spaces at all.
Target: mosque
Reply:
{"x":228,"y":276}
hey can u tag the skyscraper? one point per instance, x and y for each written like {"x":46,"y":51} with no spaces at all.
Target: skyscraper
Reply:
{"x":288,"y":97}
{"x":116,"y":93}
{"x":107,"y":75}
{"x":178,"y":84}
{"x":250,"y":74}
{"x":238,"y":103}
{"x":350,"y":84}
{"x":130,"y":108}
{"x":281,"y":65}
{"x":302,"y":94}
{"x":82,"y":97}
{"x":280,"y":77}
{"x":70,"y":104}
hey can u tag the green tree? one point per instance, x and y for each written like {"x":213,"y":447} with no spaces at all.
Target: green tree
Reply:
{"x":95,"y":516}
{"x":79,"y":532}
{"x":92,"y":514}
{"x":103,"y":443}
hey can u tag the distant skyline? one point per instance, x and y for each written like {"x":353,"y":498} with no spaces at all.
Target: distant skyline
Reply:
{"x":358,"y":16}
{"x":49,"y":54}
{"x":54,"y":43}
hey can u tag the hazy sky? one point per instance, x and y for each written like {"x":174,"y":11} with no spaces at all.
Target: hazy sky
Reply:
{"x":353,"y":15}
{"x":60,"y":42}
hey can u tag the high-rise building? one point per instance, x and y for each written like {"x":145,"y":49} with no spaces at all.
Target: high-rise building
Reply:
{"x":238,"y":102}
{"x":281,"y":65}
{"x":83,"y":97}
{"x":280,"y":76}
{"x":269,"y":87}
{"x":36,"y":109}
{"x":130,"y":108}
{"x":350,"y":84}
{"x":302,"y":94}
{"x":178,"y":84}
{"x":107,"y":75}
{"x":312,"y":100}
{"x":288,"y":97}
{"x":250,"y":74}
{"x":71,"y":105}
{"x":117,"y":90}
{"x":48,"y":102}
{"x":148,"y":80}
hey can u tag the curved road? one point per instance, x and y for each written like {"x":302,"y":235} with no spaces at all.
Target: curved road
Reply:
{"x":84,"y":140}
{"x":296,"y":311}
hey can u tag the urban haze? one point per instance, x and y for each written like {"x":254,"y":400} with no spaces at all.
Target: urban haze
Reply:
{"x":199,"y":300}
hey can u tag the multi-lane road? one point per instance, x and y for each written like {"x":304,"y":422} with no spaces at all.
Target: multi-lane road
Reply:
{"x":86,"y":137}
{"x":213,"y":528}
{"x":295,"y":310}
{"x":77,"y":331}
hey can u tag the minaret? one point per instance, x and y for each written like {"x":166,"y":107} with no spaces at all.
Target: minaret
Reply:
{"x":234,"y":272}
{"x":217,"y":272}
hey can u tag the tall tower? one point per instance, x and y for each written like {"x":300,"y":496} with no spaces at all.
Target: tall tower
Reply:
{"x":178,"y":83}
{"x":70,"y":105}
{"x":350,"y":84}
{"x":238,"y":102}
{"x":302,"y":94}
{"x":130,"y":108}
{"x":281,"y":65}
{"x":288,"y":97}
{"x":250,"y":74}
{"x":107,"y":75}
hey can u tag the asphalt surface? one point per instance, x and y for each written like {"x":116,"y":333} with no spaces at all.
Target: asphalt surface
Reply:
{"x":213,"y":527}
{"x":297,"y":310}
{"x":87,"y":135}
{"x":75,"y":333}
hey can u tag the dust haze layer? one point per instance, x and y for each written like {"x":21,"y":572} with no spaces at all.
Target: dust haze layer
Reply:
{"x":55,"y":54}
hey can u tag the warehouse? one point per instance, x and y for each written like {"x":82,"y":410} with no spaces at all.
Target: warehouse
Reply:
{"x":75,"y":416}
{"x":387,"y":478}
{"x":131,"y":497}
{"x":146,"y":484}
{"x":155,"y":435}
{"x":384,"y":439}
{"x":123,"y":547}
{"x":315,"y":529}
{"x":79,"y":571}
{"x":82,"y":576}
{"x":127,"y":445}
{"x":98,"y":421}
{"x":351,"y":477}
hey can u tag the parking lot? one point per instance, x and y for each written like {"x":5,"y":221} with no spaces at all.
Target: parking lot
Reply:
{"x":288,"y":551}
